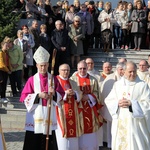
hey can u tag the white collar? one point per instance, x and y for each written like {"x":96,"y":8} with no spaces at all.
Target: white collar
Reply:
{"x":83,"y":76}
{"x":20,"y":40}
{"x":63,"y":77}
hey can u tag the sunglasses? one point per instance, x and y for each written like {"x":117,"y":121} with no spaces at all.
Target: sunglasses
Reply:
{"x":77,"y":21}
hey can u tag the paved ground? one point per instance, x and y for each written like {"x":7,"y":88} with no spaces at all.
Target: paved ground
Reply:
{"x":14,"y":139}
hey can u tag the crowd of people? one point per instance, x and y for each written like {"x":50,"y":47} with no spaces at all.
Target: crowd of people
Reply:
{"x":88,"y":108}
{"x":124,"y":27}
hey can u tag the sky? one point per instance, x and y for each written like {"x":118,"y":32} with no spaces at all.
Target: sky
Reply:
{"x":114,"y":2}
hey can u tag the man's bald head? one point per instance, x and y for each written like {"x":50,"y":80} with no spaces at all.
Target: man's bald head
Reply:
{"x":130,"y":71}
{"x":107,"y":67}
{"x":122,"y":60}
{"x":143,"y":65}
{"x":90,"y":63}
{"x":82,"y":68}
{"x":64,"y":70}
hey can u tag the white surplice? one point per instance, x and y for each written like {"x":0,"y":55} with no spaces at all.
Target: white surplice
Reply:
{"x":105,"y":90}
{"x":36,"y":117}
{"x":145,"y":76}
{"x":130,"y":129}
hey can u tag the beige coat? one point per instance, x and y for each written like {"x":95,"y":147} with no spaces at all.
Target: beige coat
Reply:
{"x":76,"y":46}
{"x":104,"y":24}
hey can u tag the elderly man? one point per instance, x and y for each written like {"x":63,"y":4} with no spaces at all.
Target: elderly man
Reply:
{"x":129,"y":105}
{"x":91,"y":71}
{"x":36,"y":94}
{"x":34,"y":30}
{"x":60,"y":42}
{"x":143,"y":72}
{"x":90,"y":120}
{"x":105,"y":90}
{"x":107,"y":69}
{"x":122,"y":60}
{"x":69,"y":129}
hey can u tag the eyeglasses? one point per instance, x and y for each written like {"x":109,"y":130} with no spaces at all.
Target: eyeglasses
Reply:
{"x":82,"y":68}
{"x":77,"y":21}
{"x":65,"y":70}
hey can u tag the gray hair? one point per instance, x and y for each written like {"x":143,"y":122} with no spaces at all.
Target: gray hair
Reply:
{"x":64,"y":65}
{"x":77,"y":18}
{"x":34,"y":21}
{"x":120,"y":65}
{"x":82,"y":62}
{"x":58,"y":21}
{"x":19,"y":31}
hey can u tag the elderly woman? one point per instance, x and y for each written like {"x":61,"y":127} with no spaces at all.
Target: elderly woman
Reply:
{"x":22,"y":43}
{"x":106,"y":19}
{"x":76,"y":35}
{"x":29,"y":56}
{"x":138,"y":18}
{"x":5,"y":69}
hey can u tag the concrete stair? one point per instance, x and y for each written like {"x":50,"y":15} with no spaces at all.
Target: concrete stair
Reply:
{"x":114,"y":55}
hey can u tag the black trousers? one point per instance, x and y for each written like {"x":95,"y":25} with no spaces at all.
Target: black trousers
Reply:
{"x":86,"y":44}
{"x":38,"y":141}
{"x":3,"y":85}
{"x":16,"y":81}
{"x":61,"y":58}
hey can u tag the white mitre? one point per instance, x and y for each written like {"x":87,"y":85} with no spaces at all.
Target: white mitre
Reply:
{"x":41,"y":55}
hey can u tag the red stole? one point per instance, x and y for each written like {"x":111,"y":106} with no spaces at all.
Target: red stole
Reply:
{"x":69,"y":106}
{"x":85,"y":87}
{"x":103,"y":75}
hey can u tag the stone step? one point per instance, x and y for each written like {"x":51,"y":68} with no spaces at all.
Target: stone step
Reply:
{"x":119,"y":51}
{"x":13,"y":118}
{"x":13,"y":114}
{"x":12,"y":121}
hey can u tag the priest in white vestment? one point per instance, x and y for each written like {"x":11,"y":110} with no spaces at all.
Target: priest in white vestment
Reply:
{"x":107,"y":69}
{"x":91,"y":70}
{"x":90,"y":119}
{"x":143,"y":71}
{"x":129,"y":106}
{"x":105,"y":90}
{"x":35,"y":95}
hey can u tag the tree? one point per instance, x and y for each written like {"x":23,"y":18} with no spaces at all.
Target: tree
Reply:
{"x":8,"y":19}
